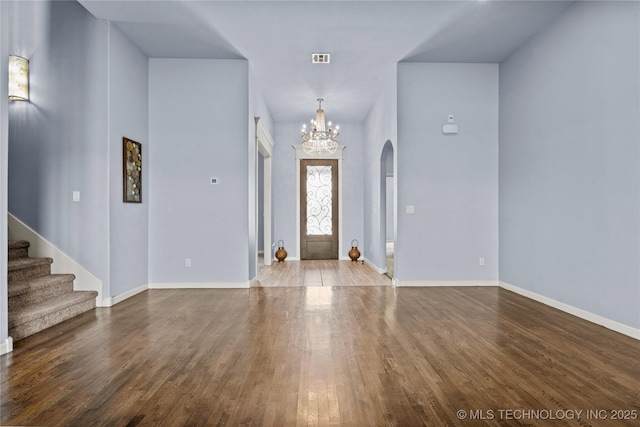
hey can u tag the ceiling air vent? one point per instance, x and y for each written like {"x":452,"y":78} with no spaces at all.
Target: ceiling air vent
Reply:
{"x":320,"y":58}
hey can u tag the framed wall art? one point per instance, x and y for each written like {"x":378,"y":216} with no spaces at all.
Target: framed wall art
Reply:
{"x":132,"y":170}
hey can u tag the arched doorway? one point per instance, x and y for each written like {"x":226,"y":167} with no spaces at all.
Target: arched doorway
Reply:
{"x":387,"y":206}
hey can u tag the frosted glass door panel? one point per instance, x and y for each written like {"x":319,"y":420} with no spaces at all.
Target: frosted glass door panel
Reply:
{"x":319,"y":201}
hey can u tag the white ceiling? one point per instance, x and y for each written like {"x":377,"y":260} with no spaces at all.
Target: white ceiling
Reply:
{"x":365,"y":38}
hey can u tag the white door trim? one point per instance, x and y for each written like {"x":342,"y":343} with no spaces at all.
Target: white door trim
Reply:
{"x":302,"y":155}
{"x":264,"y":145}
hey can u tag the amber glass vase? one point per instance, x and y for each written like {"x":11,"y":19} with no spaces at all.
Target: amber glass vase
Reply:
{"x":281,"y":254}
{"x":354,"y":253}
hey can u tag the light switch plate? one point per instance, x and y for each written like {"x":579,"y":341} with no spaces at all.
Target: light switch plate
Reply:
{"x":411,"y":209}
{"x":76,"y":196}
{"x":449,"y":129}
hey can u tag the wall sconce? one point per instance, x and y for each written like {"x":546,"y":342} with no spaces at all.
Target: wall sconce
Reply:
{"x":18,"y":78}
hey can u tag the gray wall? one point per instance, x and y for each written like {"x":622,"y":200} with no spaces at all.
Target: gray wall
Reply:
{"x":58,"y":141}
{"x":569,"y":162}
{"x":198,"y":129}
{"x":284,"y":183}
{"x":352,"y":135}
{"x":389,"y":208}
{"x":452,"y":181}
{"x":283,"y":189}
{"x":380,"y":127}
{"x":4,"y":145}
{"x":389,"y":183}
{"x":88,"y":89}
{"x":257,"y":108}
{"x":260,"y":202}
{"x":128,"y":115}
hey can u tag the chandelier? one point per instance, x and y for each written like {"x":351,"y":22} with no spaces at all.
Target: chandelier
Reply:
{"x":320,"y":139}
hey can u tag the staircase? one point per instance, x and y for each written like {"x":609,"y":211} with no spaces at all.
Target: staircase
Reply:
{"x":37,"y":298}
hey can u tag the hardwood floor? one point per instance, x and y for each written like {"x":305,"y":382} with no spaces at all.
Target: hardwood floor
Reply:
{"x":319,"y":273}
{"x":297,"y":356}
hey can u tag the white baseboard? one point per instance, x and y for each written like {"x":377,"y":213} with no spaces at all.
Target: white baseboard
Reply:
{"x":200,"y":285}
{"x":6,"y":346}
{"x":344,"y":258}
{"x":111,"y":301}
{"x":432,"y":283}
{"x":62,"y":263}
{"x":375,"y":267}
{"x":578,"y":312}
{"x":253,"y":281}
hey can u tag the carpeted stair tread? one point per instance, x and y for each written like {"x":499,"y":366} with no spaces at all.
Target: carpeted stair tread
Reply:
{"x":33,"y":285}
{"x":18,"y":249}
{"x":33,"y":291}
{"x":49,"y":306}
{"x":24,"y":263}
{"x":51,"y":319}
{"x":18,"y":244}
{"x":28,"y":268}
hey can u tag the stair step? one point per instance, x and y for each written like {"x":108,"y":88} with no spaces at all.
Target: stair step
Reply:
{"x":28,"y":268}
{"x":36,"y":290}
{"x":34,"y":318}
{"x":18,"y":249}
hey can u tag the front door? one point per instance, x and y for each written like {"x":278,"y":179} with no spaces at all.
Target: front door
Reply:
{"x":318,"y":209}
